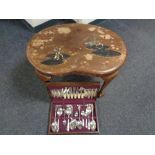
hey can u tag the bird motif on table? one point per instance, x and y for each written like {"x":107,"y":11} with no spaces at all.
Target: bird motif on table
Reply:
{"x":102,"y":50}
{"x":56,"y":58}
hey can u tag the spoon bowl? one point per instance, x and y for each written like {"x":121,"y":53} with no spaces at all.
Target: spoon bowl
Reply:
{"x":73,"y":124}
{"x":93,"y":125}
{"x":54,"y":126}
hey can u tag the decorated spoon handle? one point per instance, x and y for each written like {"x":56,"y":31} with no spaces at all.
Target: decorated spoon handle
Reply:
{"x":55,"y":113}
{"x":58,"y":124}
{"x":92,"y":112}
{"x":86,"y":123}
{"x":68,"y":124}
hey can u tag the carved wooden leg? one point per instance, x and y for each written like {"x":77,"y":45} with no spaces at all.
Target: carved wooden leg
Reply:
{"x":107,"y":79}
{"x":45,"y":79}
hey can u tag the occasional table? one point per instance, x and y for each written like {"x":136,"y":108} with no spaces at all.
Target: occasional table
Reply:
{"x":79,"y":49}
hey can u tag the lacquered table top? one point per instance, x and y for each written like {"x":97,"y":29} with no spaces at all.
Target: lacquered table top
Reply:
{"x":76,"y":48}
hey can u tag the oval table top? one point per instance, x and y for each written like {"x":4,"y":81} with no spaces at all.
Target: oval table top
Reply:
{"x":76,"y":48}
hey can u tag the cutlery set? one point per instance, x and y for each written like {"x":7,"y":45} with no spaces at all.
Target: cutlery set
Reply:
{"x":70,"y":118}
{"x":73,"y":108}
{"x":74,"y":93}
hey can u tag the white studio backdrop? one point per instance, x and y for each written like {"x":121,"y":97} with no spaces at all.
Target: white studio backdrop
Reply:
{"x":36,"y":22}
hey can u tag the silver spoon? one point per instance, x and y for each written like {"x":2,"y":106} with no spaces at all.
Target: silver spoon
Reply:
{"x":93,"y":122}
{"x":88,"y":122}
{"x":54,"y":125}
{"x":76,"y":114}
{"x":64,"y":120}
{"x":81,"y":90}
{"x":65,"y":92}
{"x":88,"y":112}
{"x":59,"y":113}
{"x":68,"y":111}
{"x":79,"y":123}
{"x":83,"y":115}
{"x":73,"y":124}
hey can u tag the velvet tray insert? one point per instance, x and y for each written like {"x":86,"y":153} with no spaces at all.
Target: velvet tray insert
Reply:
{"x":83,"y":103}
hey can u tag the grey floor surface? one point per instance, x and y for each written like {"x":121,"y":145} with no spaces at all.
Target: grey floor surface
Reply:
{"x":128,"y":106}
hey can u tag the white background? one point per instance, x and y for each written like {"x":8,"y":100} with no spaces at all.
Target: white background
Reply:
{"x":77,"y":9}
{"x":77,"y":145}
{"x":36,"y":22}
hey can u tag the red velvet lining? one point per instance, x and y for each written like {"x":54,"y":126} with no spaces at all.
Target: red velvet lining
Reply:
{"x":74,"y":103}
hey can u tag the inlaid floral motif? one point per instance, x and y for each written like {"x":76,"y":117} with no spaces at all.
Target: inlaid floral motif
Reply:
{"x":102,"y":50}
